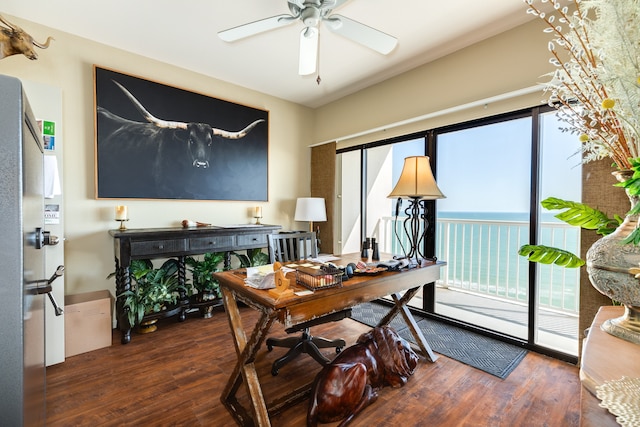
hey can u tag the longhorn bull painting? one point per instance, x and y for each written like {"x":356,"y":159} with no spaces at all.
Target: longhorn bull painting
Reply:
{"x":159,"y":142}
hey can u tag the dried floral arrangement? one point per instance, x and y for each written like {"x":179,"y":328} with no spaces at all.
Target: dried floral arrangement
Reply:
{"x":596,"y":85}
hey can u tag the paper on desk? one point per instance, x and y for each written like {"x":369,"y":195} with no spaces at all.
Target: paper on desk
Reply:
{"x":324,"y":258}
{"x":260,"y":277}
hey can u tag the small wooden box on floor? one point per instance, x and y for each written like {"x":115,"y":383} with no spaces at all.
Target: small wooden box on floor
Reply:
{"x":87,"y":323}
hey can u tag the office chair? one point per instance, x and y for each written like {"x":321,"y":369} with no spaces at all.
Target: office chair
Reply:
{"x":288,"y":247}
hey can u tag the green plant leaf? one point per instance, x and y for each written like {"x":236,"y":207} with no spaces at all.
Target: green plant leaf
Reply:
{"x":548,"y":255}
{"x":632,"y":185}
{"x":254,"y":258}
{"x":579,"y":214}
{"x":633,"y":238}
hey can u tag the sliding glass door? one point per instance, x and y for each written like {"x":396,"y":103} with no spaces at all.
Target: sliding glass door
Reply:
{"x":557,"y":288}
{"x":494,"y":176}
{"x":494,"y":173}
{"x":485,"y":172}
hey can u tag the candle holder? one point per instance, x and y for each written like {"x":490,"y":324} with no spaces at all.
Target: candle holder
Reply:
{"x":257,"y":214}
{"x":122,"y":221}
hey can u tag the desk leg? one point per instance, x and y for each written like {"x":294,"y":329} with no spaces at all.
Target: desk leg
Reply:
{"x":245,"y":369}
{"x":400,"y":306}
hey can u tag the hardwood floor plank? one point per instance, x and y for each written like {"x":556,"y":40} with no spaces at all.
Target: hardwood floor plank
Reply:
{"x":175,"y":376}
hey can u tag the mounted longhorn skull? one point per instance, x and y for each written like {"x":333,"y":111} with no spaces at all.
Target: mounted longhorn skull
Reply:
{"x":14,"y":40}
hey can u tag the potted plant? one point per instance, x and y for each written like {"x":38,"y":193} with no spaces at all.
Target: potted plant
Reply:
{"x":206,"y":287}
{"x":154,"y":291}
{"x":596,"y":96}
{"x":253,"y":258}
{"x":201,"y":273}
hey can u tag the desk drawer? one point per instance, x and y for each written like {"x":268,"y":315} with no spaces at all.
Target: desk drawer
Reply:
{"x":219,"y":243}
{"x":158,"y":247}
{"x":252,"y":240}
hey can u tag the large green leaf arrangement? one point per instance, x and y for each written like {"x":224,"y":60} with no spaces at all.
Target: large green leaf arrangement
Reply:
{"x":632,"y":186}
{"x":548,"y":255}
{"x":576,"y":214}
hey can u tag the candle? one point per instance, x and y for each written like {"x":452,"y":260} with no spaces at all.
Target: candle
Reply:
{"x":258,"y":213}
{"x":121,"y":212}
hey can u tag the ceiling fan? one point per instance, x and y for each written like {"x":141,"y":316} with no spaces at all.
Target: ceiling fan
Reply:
{"x":311,"y":13}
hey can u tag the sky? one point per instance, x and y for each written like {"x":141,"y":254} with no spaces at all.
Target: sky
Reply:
{"x":488,"y":169}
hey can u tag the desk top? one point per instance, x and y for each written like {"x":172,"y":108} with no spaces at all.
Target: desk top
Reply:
{"x":358,"y":289}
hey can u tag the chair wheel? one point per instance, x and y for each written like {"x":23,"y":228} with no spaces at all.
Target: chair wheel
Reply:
{"x":338,"y":349}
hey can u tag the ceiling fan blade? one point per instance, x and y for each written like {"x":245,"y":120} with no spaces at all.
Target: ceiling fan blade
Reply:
{"x":331,"y":4}
{"x":308,"y":51}
{"x":256,"y":27}
{"x":296,"y":4}
{"x":361,"y":33}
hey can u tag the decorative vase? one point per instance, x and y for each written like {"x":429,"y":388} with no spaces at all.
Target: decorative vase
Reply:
{"x":612,"y":267}
{"x":148,"y":326}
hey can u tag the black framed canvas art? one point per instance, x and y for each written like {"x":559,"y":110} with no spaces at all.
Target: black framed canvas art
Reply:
{"x":155,"y":141}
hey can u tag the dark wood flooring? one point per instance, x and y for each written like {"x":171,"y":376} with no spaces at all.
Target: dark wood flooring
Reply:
{"x":174,"y":377}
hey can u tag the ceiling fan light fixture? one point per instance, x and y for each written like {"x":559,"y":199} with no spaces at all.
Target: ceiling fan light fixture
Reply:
{"x":310,"y":16}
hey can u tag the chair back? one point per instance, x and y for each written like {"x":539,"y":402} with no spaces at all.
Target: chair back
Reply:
{"x":286,"y":247}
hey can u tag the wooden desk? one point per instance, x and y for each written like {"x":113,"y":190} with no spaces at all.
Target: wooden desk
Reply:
{"x":297,"y":309}
{"x":604,"y":358}
{"x":149,"y":243}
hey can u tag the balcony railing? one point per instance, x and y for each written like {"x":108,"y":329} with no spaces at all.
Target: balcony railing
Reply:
{"x":482,"y":258}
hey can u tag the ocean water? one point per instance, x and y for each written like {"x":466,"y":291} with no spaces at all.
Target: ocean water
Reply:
{"x":481,"y":251}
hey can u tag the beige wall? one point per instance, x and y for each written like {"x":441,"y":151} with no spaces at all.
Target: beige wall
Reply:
{"x":506,"y":63}
{"x":68,"y":64}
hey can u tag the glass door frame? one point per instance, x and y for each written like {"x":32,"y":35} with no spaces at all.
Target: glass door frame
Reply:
{"x":429,"y":299}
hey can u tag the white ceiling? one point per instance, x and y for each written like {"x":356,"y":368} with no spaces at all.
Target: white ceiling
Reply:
{"x":184,"y":33}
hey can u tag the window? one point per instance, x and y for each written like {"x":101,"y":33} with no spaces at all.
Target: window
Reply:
{"x":494,"y":173}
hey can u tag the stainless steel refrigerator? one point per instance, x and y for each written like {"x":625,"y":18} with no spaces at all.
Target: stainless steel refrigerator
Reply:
{"x":23,"y":282}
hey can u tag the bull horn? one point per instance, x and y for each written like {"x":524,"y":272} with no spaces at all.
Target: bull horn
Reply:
{"x":43,"y":45}
{"x":9,"y":24}
{"x":236,"y":135}
{"x":147,"y":115}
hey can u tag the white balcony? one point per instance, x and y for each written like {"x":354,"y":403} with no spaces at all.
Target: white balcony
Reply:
{"x":485,"y":281}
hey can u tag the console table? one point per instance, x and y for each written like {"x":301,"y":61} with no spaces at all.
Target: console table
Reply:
{"x":149,"y":243}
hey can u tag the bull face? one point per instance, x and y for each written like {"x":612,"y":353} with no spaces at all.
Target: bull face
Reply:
{"x":199,"y":143}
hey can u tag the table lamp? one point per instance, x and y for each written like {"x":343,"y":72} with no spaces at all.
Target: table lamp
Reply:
{"x":310,"y":209}
{"x":417,"y":184}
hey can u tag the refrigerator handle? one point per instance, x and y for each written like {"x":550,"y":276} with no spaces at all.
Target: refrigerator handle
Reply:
{"x":44,"y":287}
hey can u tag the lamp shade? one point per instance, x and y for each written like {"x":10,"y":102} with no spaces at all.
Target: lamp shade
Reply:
{"x":310,"y":209}
{"x":416,"y":180}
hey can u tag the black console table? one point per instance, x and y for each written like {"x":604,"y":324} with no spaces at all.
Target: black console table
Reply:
{"x":149,"y":243}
